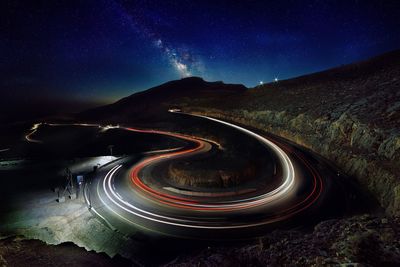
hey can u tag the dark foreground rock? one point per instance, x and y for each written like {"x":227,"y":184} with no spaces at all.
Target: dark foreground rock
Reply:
{"x":15,"y":251}
{"x":357,"y":241}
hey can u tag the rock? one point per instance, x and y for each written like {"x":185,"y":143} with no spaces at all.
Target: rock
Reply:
{"x":17,"y":251}
{"x":329,"y":244}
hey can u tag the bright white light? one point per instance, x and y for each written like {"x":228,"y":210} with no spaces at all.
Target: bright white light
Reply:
{"x":181,"y":68}
{"x":261,"y":82}
{"x":276,"y":79}
{"x":34,"y":129}
{"x":108,"y":127}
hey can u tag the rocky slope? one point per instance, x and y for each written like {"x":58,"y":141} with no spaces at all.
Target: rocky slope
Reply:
{"x":357,"y":241}
{"x":363,"y":240}
{"x":206,"y":176}
{"x":16,"y":251}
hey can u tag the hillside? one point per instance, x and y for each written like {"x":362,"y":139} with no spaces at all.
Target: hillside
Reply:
{"x":153,"y":103}
{"x":349,"y":114}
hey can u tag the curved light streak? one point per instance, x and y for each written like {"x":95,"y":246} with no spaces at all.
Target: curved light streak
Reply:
{"x":288,"y":172}
{"x":151,"y":194}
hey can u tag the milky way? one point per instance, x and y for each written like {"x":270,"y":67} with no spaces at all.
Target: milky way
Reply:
{"x":102,"y":50}
{"x":180,"y":58}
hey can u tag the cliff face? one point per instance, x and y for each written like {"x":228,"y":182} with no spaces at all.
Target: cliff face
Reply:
{"x":350,"y":115}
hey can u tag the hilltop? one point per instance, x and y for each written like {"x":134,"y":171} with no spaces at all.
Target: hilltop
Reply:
{"x":153,"y":103}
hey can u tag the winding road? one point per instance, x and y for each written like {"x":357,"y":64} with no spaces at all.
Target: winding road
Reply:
{"x":126,"y":195}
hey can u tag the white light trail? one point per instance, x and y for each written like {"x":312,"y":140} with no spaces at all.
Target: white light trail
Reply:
{"x":288,"y":169}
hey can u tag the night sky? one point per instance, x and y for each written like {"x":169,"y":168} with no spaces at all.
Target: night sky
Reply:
{"x":97,"y":51}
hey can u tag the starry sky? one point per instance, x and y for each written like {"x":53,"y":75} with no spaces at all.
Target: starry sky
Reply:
{"x":97,"y":51}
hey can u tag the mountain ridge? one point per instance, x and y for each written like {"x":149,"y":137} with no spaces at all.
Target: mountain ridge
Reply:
{"x":157,"y":100}
{"x":345,"y":71}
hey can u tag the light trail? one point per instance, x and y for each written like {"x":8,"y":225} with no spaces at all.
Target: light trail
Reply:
{"x":163,"y":150}
{"x":36,"y":126}
{"x":123,"y":208}
{"x":273,"y":195}
{"x":134,"y":210}
{"x":34,"y":129}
